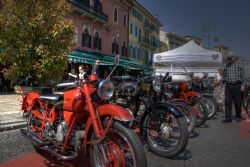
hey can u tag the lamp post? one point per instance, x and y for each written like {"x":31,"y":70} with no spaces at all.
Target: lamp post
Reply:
{"x":209,"y":29}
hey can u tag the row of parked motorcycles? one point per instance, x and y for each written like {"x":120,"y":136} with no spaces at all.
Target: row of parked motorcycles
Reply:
{"x":111,"y":120}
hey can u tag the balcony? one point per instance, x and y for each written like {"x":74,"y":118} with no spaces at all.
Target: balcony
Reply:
{"x":147,"y":27}
{"x":147,"y":43}
{"x":95,"y":12}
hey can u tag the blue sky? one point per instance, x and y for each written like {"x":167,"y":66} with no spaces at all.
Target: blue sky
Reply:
{"x":231,"y":20}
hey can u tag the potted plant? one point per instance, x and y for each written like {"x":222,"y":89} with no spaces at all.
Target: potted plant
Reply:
{"x":35,"y":36}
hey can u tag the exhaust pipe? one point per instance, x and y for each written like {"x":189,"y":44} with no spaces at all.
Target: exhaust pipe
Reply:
{"x":44,"y":146}
{"x":35,"y":140}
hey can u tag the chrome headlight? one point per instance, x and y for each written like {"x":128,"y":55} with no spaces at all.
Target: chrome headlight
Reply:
{"x":105,"y":89}
{"x":157,"y":85}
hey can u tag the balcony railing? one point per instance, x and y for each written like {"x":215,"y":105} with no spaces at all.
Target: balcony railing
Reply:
{"x":147,"y":27}
{"x":94,"y":12}
{"x":149,"y":43}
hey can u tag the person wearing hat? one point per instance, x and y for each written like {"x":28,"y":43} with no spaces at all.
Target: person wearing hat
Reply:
{"x":234,"y":78}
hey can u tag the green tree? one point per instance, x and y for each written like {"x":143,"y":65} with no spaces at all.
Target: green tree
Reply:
{"x":35,"y":36}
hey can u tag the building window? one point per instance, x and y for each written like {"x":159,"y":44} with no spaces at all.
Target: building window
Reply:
{"x":134,"y":52}
{"x":115,"y":15}
{"x":86,"y":38}
{"x":75,"y":36}
{"x":124,"y":49}
{"x":97,"y":6}
{"x":124,"y":20}
{"x":131,"y":28}
{"x":136,"y":31}
{"x":97,"y":41}
{"x":115,"y":47}
{"x":139,"y":38}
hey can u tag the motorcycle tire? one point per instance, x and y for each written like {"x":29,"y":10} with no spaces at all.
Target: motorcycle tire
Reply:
{"x":202,"y":112}
{"x":113,"y":145}
{"x":211,"y":105}
{"x":190,"y":116}
{"x":155,"y":146}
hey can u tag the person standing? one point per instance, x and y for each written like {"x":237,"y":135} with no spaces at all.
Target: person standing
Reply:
{"x":234,"y":77}
{"x":95,"y":69}
{"x":219,"y":90}
{"x":82,"y":73}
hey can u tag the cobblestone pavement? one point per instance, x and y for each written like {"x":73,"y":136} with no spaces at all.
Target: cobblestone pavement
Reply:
{"x":9,"y":104}
{"x":214,"y":145}
{"x":10,"y":115}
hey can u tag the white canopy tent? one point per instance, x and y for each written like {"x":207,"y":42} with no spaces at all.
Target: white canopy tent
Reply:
{"x":188,"y":58}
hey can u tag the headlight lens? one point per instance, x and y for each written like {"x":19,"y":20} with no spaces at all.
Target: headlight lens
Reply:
{"x":105,"y":89}
{"x":157,"y":85}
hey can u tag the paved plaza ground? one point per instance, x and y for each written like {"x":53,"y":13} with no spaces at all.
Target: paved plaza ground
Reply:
{"x":213,"y":145}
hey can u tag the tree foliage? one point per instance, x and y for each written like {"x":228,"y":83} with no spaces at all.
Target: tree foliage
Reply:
{"x":35,"y":36}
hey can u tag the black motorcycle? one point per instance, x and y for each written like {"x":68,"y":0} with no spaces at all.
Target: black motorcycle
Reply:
{"x":161,"y":124}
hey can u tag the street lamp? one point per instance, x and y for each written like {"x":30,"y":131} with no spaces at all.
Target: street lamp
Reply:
{"x":209,"y":29}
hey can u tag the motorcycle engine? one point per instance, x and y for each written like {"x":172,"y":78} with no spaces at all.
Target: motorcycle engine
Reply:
{"x":55,"y":131}
{"x":129,"y":89}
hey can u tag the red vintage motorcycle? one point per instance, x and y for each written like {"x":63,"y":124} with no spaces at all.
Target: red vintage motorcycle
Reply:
{"x":183,"y":92}
{"x":81,"y":118}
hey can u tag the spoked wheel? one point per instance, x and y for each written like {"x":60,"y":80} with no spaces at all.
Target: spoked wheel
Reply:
{"x":166,"y":134}
{"x":201,"y":111}
{"x":120,"y":148}
{"x":211,"y":105}
{"x":190,"y":116}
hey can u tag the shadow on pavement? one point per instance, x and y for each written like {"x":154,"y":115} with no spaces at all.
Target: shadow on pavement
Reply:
{"x":52,"y":161}
{"x":193,"y":135}
{"x":185,"y":155}
{"x":204,"y":126}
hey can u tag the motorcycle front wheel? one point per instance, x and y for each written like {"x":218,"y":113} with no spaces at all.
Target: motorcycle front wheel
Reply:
{"x":186,"y":109}
{"x":166,"y":134}
{"x":201,"y":111}
{"x":211,"y":105}
{"x":120,"y":148}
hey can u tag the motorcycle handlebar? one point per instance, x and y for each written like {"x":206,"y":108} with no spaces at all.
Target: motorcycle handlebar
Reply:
{"x":122,"y":77}
{"x":66,"y":84}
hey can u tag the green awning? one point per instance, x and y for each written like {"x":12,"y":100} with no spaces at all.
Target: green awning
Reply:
{"x":90,"y":58}
{"x":86,"y":57}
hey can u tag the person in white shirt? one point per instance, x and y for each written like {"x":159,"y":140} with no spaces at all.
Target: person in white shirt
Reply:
{"x":82,"y":73}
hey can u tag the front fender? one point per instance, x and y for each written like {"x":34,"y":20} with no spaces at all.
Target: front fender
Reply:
{"x":192,"y":94}
{"x":170,"y":107}
{"x":118,"y":112}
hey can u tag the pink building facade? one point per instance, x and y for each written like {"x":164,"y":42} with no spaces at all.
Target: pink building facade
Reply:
{"x":101,"y":26}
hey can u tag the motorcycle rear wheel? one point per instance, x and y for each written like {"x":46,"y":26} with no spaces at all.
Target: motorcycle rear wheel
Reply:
{"x":122,"y":144}
{"x":162,"y":129}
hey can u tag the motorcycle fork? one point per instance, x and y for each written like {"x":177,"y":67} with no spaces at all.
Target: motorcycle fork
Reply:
{"x":98,"y":128}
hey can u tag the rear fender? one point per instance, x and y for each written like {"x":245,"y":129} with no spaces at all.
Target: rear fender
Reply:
{"x":30,"y":100}
{"x":192,"y":94}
